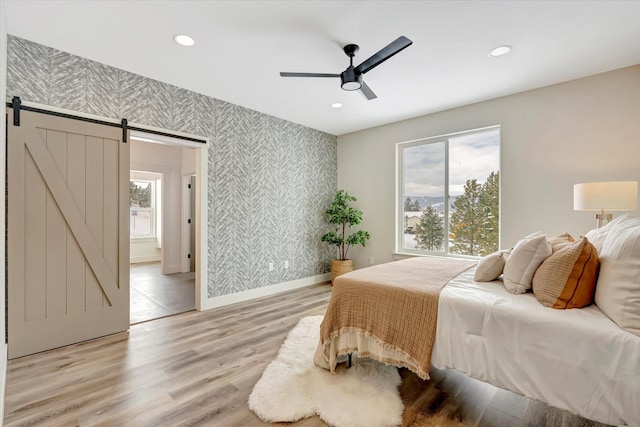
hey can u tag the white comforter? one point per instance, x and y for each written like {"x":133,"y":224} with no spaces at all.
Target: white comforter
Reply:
{"x":576,"y":359}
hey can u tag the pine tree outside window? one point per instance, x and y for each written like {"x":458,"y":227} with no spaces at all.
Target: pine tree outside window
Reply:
{"x":449,"y":194}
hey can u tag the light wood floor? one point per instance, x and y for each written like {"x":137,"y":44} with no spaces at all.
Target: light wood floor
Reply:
{"x":199,"y":369}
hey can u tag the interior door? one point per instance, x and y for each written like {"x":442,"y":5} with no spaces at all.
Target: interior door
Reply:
{"x":68,"y":242}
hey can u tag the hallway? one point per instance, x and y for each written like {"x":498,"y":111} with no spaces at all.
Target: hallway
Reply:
{"x":155,"y":295}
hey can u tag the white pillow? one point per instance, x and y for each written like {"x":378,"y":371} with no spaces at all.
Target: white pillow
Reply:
{"x":490,"y":266}
{"x":618,"y":287}
{"x":598,"y":235}
{"x":525,"y":258}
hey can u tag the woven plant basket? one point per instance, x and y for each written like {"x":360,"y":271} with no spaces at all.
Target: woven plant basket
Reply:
{"x":340,"y":267}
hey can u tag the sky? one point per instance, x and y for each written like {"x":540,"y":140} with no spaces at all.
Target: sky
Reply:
{"x":471,"y":156}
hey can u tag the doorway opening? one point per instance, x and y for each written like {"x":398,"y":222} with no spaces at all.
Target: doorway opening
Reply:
{"x":161,"y":218}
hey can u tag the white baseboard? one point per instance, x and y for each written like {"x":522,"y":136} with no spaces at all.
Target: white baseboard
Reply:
{"x":250,"y":294}
{"x":141,"y":259}
{"x":3,"y":378}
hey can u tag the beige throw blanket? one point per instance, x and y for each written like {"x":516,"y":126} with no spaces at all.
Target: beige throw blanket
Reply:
{"x":387,"y":312}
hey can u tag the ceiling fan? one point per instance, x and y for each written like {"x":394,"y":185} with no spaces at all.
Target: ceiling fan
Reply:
{"x":352,"y":77}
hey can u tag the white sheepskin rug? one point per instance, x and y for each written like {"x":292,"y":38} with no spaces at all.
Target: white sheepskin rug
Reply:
{"x":292,"y":387}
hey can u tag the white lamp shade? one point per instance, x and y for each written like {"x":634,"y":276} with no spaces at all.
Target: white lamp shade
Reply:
{"x":606,"y":196}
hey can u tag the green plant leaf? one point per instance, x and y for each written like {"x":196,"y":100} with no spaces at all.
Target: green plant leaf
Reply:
{"x":345,"y":217}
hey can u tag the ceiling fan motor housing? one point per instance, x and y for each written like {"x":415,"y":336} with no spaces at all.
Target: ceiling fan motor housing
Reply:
{"x":350,"y":79}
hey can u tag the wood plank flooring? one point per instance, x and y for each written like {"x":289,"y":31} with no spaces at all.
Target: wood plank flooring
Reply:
{"x":198,"y":368}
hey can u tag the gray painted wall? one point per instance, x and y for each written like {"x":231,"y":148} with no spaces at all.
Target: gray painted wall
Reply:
{"x":269,"y":180}
{"x":584,"y":130}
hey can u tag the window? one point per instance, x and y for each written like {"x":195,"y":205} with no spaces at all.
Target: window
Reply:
{"x":144,"y":205}
{"x":449,"y":194}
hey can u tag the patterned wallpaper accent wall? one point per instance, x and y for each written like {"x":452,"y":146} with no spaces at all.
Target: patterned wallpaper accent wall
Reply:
{"x":270,"y":180}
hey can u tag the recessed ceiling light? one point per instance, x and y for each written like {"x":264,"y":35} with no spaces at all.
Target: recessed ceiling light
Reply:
{"x":336,"y":105}
{"x":499,"y":51}
{"x":183,"y":40}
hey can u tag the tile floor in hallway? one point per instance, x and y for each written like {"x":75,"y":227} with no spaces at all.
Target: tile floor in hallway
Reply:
{"x":155,"y":295}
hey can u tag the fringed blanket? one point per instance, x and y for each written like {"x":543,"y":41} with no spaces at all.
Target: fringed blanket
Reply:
{"x":387,"y":312}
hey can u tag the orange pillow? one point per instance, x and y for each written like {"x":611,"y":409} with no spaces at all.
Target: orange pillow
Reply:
{"x":567,"y":278}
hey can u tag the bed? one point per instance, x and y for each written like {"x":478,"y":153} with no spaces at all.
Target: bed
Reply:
{"x":578,"y":359}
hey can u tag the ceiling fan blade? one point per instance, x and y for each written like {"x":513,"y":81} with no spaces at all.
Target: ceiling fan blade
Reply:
{"x":383,"y":54}
{"x":367,"y":92}
{"x":308,"y":75}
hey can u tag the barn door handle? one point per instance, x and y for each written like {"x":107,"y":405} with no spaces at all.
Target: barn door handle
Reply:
{"x":15,"y":104}
{"x":124,"y":130}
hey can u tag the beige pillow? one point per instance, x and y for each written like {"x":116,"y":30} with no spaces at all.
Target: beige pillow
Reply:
{"x":523,"y":262}
{"x":490,"y":267}
{"x":560,"y":241}
{"x":618,"y":288}
{"x":567,"y":278}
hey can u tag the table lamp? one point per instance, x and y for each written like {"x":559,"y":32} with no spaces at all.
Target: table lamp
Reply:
{"x":605,"y":196}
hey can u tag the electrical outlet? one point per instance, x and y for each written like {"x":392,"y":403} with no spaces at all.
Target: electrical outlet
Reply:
{"x":270,"y":266}
{"x":286,"y":264}
{"x":371,"y":260}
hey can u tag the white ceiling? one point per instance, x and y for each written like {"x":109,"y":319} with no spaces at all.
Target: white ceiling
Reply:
{"x":241,"y":46}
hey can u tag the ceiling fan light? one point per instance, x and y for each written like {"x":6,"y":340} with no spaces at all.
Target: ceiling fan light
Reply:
{"x":351,"y":85}
{"x":351,"y":80}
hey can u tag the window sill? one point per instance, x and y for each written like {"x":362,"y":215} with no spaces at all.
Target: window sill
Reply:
{"x":404,"y":255}
{"x":142,"y":239}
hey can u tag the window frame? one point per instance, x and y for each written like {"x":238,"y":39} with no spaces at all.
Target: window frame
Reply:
{"x":400,"y":196}
{"x":153,"y":213}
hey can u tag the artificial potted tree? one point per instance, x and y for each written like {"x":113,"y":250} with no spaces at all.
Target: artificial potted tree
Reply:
{"x":343,"y":217}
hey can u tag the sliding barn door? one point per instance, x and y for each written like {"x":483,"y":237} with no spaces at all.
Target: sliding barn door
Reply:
{"x":68,"y":244}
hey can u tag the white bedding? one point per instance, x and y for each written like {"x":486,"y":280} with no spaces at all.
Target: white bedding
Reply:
{"x":575,"y":359}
